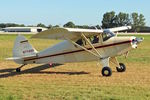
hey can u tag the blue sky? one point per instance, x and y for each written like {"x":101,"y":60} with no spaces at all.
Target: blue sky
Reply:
{"x":88,"y":12}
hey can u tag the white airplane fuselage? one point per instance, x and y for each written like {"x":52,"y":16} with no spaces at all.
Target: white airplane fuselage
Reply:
{"x":66,"y":52}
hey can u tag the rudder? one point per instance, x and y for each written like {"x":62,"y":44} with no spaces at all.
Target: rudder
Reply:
{"x":22,"y":48}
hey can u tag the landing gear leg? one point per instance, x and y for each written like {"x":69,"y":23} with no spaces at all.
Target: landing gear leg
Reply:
{"x":106,"y":70}
{"x":120,"y":66}
{"x":19,"y":68}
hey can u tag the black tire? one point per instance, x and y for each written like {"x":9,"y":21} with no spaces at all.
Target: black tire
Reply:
{"x":18,"y":69}
{"x":106,"y":71}
{"x":122,"y":68}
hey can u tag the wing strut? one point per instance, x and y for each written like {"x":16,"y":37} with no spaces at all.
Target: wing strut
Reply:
{"x":91,"y":44}
{"x":114,"y":61}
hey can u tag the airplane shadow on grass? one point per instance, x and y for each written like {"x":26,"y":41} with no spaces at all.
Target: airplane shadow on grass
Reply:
{"x":36,"y":70}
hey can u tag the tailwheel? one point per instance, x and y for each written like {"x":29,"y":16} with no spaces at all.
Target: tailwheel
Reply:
{"x":121,"y":68}
{"x":18,"y":69}
{"x":106,"y":71}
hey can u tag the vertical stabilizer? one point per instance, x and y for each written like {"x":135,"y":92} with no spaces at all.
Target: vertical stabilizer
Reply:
{"x":22,"y":48}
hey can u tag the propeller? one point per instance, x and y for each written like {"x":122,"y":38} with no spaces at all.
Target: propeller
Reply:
{"x":136,"y":41}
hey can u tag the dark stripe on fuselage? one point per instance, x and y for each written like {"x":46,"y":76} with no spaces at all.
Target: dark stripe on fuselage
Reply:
{"x":103,"y":46}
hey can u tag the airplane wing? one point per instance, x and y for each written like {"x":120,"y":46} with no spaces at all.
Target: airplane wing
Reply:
{"x":63,"y":33}
{"x":117,"y":29}
{"x":72,"y":33}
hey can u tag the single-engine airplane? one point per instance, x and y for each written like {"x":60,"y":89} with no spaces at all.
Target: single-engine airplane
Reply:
{"x":79,"y":45}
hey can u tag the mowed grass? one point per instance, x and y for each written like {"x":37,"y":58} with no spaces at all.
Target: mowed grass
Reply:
{"x":76,"y":81}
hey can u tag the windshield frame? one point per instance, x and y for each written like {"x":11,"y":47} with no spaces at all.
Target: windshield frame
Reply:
{"x":107,"y":34}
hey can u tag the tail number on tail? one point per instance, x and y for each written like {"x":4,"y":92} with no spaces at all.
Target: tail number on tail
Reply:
{"x":28,"y":51}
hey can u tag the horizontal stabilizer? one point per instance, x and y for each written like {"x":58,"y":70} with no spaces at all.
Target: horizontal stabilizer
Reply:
{"x":20,"y":58}
{"x":14,"y":58}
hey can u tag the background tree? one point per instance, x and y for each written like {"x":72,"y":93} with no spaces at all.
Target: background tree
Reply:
{"x":41,"y":25}
{"x":56,"y":26}
{"x":122,"y":19}
{"x":137,"y":21}
{"x":69,"y":25}
{"x":141,"y":20}
{"x":134,"y":17}
{"x":98,"y":26}
{"x":4,"y":25}
{"x":108,"y":20}
{"x":49,"y":26}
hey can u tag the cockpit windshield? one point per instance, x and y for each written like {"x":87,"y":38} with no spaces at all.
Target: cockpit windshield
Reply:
{"x":107,"y":35}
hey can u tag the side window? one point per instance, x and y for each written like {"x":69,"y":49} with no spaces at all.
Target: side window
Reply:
{"x":80,"y":42}
{"x":105,"y":36}
{"x":92,"y":39}
{"x":95,"y":39}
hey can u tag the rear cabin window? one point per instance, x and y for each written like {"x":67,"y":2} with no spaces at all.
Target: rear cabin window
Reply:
{"x":92,"y":39}
{"x":80,"y":42}
{"x":95,"y":39}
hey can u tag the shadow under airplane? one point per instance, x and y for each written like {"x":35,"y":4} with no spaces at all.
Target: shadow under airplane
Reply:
{"x":36,"y":70}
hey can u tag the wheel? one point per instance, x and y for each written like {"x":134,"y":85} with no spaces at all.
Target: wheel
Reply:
{"x":122,"y":68}
{"x":106,"y":71}
{"x":18,"y":70}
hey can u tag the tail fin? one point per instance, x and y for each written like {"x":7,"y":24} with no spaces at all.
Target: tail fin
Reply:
{"x":22,"y":48}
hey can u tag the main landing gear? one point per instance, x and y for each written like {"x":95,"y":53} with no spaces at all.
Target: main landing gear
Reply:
{"x":106,"y":71}
{"x":19,"y":68}
{"x":121,"y":68}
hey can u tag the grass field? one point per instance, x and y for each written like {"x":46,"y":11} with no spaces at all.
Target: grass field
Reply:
{"x":77,"y":81}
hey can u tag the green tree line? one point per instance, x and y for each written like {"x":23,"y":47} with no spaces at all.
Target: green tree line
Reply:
{"x":110,"y":20}
{"x":3,"y":25}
